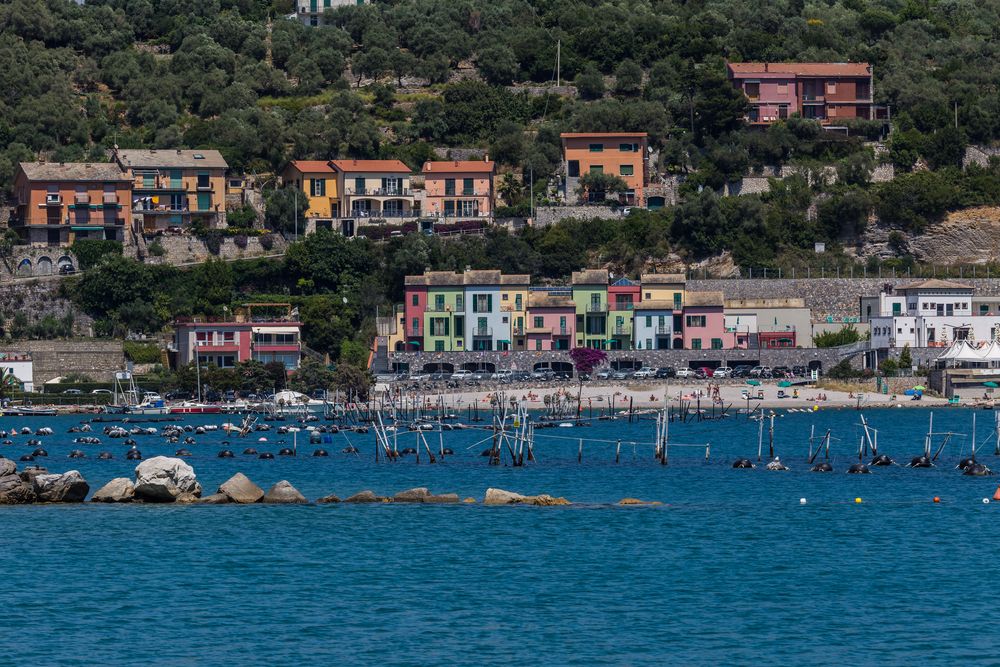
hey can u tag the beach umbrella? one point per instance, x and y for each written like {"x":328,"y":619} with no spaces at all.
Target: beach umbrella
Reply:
{"x":753,"y":383}
{"x":919,"y":387}
{"x":784,"y":383}
{"x":991,"y":384}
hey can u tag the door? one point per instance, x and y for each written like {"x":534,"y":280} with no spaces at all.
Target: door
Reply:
{"x":573,"y":168}
{"x":204,"y":201}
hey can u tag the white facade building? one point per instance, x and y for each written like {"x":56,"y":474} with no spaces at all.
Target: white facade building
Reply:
{"x":310,"y":12}
{"x":21,"y":367}
{"x":487,"y":325}
{"x":653,"y":325}
{"x":932,"y":313}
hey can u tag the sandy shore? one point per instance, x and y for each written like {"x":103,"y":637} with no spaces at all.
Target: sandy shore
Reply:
{"x":599,"y":396}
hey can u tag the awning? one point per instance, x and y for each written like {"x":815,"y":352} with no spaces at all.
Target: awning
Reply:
{"x":87,"y":228}
{"x":274,"y":330}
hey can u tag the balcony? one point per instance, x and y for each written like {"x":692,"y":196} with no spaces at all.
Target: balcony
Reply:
{"x":597,"y":307}
{"x":415,"y":331}
{"x":439,"y":308}
{"x":539,"y":330}
{"x":561,"y":331}
{"x":379,"y":192}
{"x":482,"y":332}
{"x":624,"y":305}
{"x":109,"y":198}
{"x":663,"y":331}
{"x":53,"y":200}
{"x":621,"y":330}
{"x":517,"y":331}
{"x":81,"y":198}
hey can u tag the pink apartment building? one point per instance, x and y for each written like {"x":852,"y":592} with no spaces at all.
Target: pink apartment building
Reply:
{"x":704,"y":321}
{"x":458,"y":189}
{"x":551,"y":322}
{"x":413,"y":312}
{"x":250,"y":334}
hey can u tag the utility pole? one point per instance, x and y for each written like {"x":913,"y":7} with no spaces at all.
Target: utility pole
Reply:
{"x":531,"y":193}
{"x":296,"y":194}
{"x":558,"y":63}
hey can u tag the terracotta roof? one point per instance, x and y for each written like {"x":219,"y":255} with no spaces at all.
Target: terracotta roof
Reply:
{"x":654,"y":304}
{"x":590,"y":277}
{"x":766,"y":303}
{"x":313,"y":166}
{"x":583,"y":135}
{"x":482,"y":277}
{"x":133,"y":158}
{"x":543,"y":300}
{"x":801,"y":69}
{"x":662,"y":278}
{"x":458,"y":167}
{"x":515,"y":279}
{"x":703,"y":299}
{"x":393,"y":166}
{"x":73,"y":171}
{"x":443,"y":278}
{"x":934,"y":283}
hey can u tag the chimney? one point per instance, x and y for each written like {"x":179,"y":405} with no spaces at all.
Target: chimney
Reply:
{"x":486,"y":157}
{"x":765,"y":67}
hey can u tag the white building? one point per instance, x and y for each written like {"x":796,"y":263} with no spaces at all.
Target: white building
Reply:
{"x":20,"y":367}
{"x":653,"y":324}
{"x":487,"y":325}
{"x":931,"y":313}
{"x":310,"y":12}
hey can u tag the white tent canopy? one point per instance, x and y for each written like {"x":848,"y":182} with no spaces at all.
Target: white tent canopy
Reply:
{"x":961,"y":351}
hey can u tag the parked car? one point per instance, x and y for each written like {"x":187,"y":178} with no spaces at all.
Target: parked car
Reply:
{"x":781,"y":372}
{"x":73,"y":391}
{"x":66,"y":270}
{"x":741,"y":371}
{"x":179,"y":395}
{"x":645,"y":373}
{"x":664,"y":373}
{"x":461,"y":375}
{"x":603,"y":375}
{"x":685,"y":373}
{"x":722,"y":372}
{"x":621,"y":374}
{"x":760,"y":372}
{"x":419,"y":377}
{"x":543,"y":375}
{"x":564,"y":375}
{"x":703,"y":373}
{"x":800,"y":371}
{"x":441,"y":377}
{"x":100,"y":391}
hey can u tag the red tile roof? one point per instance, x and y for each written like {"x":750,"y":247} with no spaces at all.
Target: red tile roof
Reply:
{"x":577,"y":135}
{"x":801,"y":69}
{"x":458,"y":166}
{"x":371,"y":165}
{"x":313,"y":166}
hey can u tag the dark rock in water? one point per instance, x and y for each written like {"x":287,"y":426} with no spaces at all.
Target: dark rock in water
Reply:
{"x":858,"y":469}
{"x":882,"y":460}
{"x":487,"y":452}
{"x":39,"y":452}
{"x":743,"y":464}
{"x":363,"y":497}
{"x":977,"y":470}
{"x":225,"y":454}
{"x":13,"y":489}
{"x":118,"y":490}
{"x":27,"y":457}
{"x":69,"y":487}
{"x":350,"y":449}
{"x":183,"y":452}
{"x":285,"y":451}
{"x":776,"y":464}
{"x":105,"y":456}
{"x":283,"y":493}
{"x":407,"y":450}
{"x":327,"y":500}
{"x":321,"y":452}
{"x":266,"y":455}
{"x":240,"y":489}
{"x":250,"y":451}
{"x":77,"y":454}
{"x":821,"y":467}
{"x":133,"y":455}
{"x":921,"y":462}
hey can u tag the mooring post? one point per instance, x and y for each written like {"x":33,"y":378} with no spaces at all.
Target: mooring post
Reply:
{"x":618,"y":451}
{"x":579,"y":453}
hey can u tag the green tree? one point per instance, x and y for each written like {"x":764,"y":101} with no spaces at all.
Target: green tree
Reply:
{"x":596,"y":186}
{"x":628,"y":79}
{"x":283,"y":206}
{"x":589,"y":84}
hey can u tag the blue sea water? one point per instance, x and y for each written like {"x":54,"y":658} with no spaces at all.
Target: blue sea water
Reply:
{"x":732,"y":569}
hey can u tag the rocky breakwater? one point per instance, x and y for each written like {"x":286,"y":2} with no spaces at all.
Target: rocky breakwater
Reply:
{"x":166,"y":480}
{"x":502,"y":497}
{"x":36,"y":485}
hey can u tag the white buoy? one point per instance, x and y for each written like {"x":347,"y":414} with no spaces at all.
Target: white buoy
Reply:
{"x":986,"y":501}
{"x":802,"y":501}
{"x":261,"y":439}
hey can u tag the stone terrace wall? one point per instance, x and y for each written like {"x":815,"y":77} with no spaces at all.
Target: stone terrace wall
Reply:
{"x":187,"y":249}
{"x":53,"y":358}
{"x":548,"y":215}
{"x":836,"y":297}
{"x":37,"y":297}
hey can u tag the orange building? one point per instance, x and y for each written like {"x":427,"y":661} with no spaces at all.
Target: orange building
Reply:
{"x":58,"y":203}
{"x":458,"y":189}
{"x":621,"y":154}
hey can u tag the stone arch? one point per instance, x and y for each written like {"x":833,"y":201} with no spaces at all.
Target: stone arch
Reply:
{"x":43,"y":266}
{"x":65,"y":260}
{"x":24,"y":267}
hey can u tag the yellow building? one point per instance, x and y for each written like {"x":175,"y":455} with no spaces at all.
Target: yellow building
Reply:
{"x":664,"y":287}
{"x":318,"y":180}
{"x":514,"y":304}
{"x":175,"y":187}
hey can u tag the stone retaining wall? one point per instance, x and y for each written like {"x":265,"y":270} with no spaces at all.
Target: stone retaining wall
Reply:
{"x":186,"y":249}
{"x":548,"y":215}
{"x":53,"y":358}
{"x":37,"y":298}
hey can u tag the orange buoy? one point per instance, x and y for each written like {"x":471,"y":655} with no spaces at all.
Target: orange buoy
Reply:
{"x":936,"y":499}
{"x":996,"y":494}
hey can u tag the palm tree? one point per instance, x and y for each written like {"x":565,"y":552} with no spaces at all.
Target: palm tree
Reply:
{"x":510,"y":189}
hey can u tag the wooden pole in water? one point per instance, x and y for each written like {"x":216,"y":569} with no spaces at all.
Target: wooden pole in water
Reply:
{"x":630,"y":409}
{"x":770,"y":438}
{"x":579,"y":452}
{"x":760,"y":437}
{"x":418,"y":445}
{"x":618,"y":451}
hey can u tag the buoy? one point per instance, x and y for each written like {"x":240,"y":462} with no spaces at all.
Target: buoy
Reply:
{"x":936,"y":499}
{"x":996,"y":494}
{"x":802,"y":501}
{"x":986,"y":501}
{"x":857,"y":500}
{"x":815,"y":408}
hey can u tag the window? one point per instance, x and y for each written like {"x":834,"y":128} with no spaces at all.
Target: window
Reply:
{"x":626,"y":170}
{"x":482,"y":303}
{"x":863,"y":91}
{"x":459,"y":302}
{"x":677,"y":299}
{"x":449,"y":208}
{"x":597,"y":168}
{"x":517,"y":302}
{"x":695,"y":343}
{"x":649,"y":320}
{"x":695,"y":320}
{"x":716,"y":343}
{"x":415,"y":300}
{"x":539,"y":322}
{"x":752,"y":89}
{"x":782,"y":88}
{"x":439,"y":346}
{"x":439,"y":302}
{"x":459,"y":324}
{"x":392,"y":186}
{"x":416,"y":326}
{"x":596,"y":148}
{"x":538,"y":343}
{"x":831,"y":87}
{"x":203,"y":182}
{"x":628,"y":148}
{"x":359,"y":186}
{"x":468,"y":188}
{"x":317,"y":187}
{"x":149,"y":180}
{"x":449,"y":187}
{"x":648,"y":295}
{"x":649,"y":343}
{"x":176,"y":181}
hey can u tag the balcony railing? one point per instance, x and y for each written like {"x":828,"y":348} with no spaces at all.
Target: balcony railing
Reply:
{"x":383,"y":214}
{"x":482,"y":331}
{"x":561,"y":331}
{"x":380,"y":192}
{"x":81,"y":198}
{"x":517,"y":331}
{"x":439,"y":308}
{"x":597,"y":307}
{"x":109,"y":198}
{"x":624,"y":305}
{"x":418,"y":331}
{"x":621,"y":330}
{"x":540,"y":330}
{"x":663,"y":330}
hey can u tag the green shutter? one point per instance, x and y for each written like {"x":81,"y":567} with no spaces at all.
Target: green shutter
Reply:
{"x":204,"y":201}
{"x":489,"y":303}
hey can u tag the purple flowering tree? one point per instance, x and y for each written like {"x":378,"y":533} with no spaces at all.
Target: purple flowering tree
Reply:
{"x":585,"y":360}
